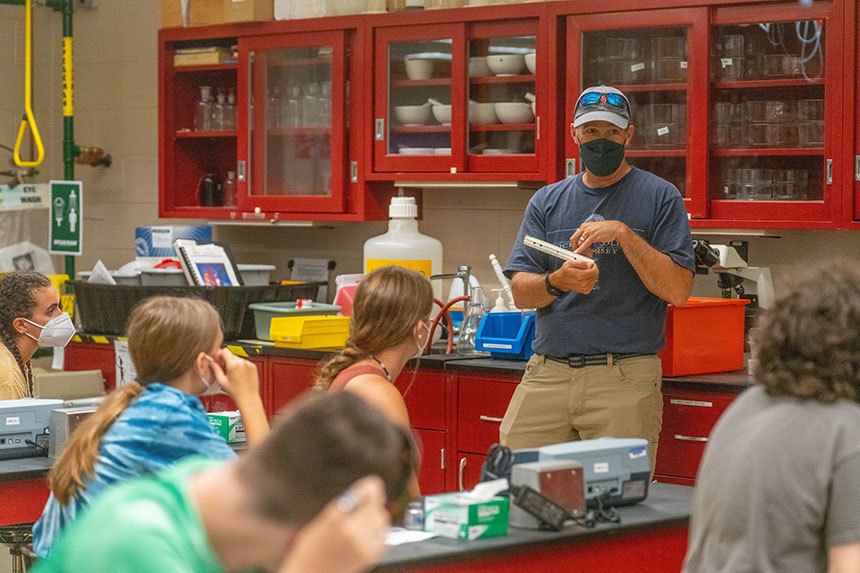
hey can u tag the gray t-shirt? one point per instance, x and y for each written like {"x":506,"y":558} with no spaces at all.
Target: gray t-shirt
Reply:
{"x":620,"y":314}
{"x":778,"y":486}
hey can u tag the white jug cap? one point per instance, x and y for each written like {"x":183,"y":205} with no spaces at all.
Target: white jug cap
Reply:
{"x":403,"y":207}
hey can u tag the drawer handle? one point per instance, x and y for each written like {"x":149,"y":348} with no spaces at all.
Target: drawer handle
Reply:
{"x":491,"y":419}
{"x":690,"y":438}
{"x":460,"y":476}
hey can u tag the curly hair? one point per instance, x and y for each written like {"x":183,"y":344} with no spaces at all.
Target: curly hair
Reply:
{"x":809,"y":345}
{"x":17,"y":300}
{"x":388,"y":303}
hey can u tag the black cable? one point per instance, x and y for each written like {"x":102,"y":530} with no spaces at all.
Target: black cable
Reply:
{"x":606,"y":512}
{"x":40,"y":447}
{"x":499,"y":462}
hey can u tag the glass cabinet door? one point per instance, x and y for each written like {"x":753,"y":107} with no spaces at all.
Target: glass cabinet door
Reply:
{"x":650,"y":66}
{"x":295,"y":123}
{"x":503,"y":124}
{"x":770,"y":115}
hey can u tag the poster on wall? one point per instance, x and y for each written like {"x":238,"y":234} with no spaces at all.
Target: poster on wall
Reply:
{"x":66,"y":220}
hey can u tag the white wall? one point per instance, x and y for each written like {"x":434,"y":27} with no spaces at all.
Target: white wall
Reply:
{"x":116,"y":108}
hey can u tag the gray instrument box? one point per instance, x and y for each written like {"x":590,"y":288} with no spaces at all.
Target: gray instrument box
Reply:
{"x":25,"y":420}
{"x":63,"y":423}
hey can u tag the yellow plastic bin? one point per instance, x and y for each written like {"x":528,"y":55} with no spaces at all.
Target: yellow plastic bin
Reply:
{"x":310,"y":331}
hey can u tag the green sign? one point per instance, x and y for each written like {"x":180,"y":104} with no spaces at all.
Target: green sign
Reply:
{"x":66,"y":218}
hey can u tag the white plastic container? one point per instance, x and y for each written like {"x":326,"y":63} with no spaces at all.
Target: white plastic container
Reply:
{"x":255,"y":275}
{"x":403,"y":245}
{"x":163,"y":277}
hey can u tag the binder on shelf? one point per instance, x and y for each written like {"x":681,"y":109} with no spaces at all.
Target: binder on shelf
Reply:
{"x":201,"y":56}
{"x":208,"y":264}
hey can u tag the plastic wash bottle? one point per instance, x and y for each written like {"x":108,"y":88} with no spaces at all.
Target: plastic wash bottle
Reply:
{"x":403,"y":245}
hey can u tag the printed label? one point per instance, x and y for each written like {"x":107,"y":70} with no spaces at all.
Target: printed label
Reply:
{"x":601,"y":468}
{"x":726,"y":62}
{"x":638,"y":452}
{"x":637,"y":67}
{"x":13,"y":421}
{"x":684,"y":64}
{"x":662,"y":130}
{"x":691,"y":403}
{"x":423,"y":266}
{"x":502,"y":346}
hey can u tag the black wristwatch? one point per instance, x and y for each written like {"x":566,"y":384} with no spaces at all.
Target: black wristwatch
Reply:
{"x":556,"y":292}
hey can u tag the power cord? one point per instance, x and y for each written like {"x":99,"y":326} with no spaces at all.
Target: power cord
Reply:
{"x":498,"y":464}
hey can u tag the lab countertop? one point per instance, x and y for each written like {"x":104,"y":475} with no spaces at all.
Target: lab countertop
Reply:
{"x":25,"y":468}
{"x":667,"y":505}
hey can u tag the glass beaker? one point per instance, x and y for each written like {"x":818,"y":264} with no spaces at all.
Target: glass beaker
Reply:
{"x":471,"y":322}
{"x":203,"y":113}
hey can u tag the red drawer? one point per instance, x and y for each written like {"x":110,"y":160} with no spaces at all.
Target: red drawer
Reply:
{"x":425,"y":398}
{"x":481,"y":407}
{"x":688,"y":418}
{"x":431,"y":476}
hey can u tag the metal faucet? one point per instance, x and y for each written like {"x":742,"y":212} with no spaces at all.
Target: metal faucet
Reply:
{"x":464,"y":273}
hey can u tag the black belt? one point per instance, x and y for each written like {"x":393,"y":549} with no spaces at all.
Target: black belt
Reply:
{"x":581,"y":360}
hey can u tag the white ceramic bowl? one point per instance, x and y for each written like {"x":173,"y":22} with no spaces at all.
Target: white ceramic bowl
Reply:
{"x":442,"y":113}
{"x":482,"y":113}
{"x":478,"y":67}
{"x":506,"y":64}
{"x":412,"y":114}
{"x":417,"y":151}
{"x":514,"y":112}
{"x":531,"y":62}
{"x":419,"y":69}
{"x":534,"y":108}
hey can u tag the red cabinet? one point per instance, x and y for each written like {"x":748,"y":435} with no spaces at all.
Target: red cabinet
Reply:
{"x":851,"y":154}
{"x":688,"y":417}
{"x":734,"y":105}
{"x":431,"y":476}
{"x":92,"y":356}
{"x":287,"y":379}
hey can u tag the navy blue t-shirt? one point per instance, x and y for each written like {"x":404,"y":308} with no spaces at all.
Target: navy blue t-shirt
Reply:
{"x":620,"y":314}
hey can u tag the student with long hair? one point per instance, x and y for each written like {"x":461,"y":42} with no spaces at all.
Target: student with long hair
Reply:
{"x":389,"y":326}
{"x":143,"y":426}
{"x":30,"y":318}
{"x":311,"y":498}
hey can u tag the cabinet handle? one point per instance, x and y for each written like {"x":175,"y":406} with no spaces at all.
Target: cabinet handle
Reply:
{"x":537,"y":126}
{"x":380,"y":129}
{"x":690,"y":438}
{"x":491,"y":419}
{"x":442,"y":460}
{"x":571,"y":167}
{"x":240,"y":170}
{"x":829,"y":171}
{"x":857,"y":168}
{"x":460,"y":475}
{"x":353,"y":171}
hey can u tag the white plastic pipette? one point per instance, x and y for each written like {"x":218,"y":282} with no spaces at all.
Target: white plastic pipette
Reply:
{"x":506,"y":286}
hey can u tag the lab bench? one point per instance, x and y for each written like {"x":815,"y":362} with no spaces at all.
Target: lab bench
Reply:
{"x":456,"y":403}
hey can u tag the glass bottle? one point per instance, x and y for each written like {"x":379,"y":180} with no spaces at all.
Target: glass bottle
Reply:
{"x":231,"y":109}
{"x":471,"y":322}
{"x":310,"y":105}
{"x":203,"y":113}
{"x":228,"y":194}
{"x":219,"y":112}
{"x":324,"y":105}
{"x":273,"y":113}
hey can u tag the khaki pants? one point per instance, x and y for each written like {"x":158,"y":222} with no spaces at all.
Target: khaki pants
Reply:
{"x":556,"y":403}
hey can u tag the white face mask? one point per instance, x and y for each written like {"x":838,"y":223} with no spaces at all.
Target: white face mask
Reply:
{"x":420,"y":346}
{"x":57,"y":332}
{"x":211,"y":387}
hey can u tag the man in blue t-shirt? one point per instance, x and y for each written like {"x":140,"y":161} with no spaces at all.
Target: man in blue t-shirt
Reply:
{"x":599,"y":325}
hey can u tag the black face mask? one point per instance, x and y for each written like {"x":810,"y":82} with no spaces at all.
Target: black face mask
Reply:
{"x":601,"y":156}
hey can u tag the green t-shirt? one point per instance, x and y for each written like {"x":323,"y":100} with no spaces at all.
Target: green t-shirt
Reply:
{"x":149,"y":524}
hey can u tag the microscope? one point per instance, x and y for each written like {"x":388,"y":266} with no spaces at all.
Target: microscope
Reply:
{"x":733,"y":272}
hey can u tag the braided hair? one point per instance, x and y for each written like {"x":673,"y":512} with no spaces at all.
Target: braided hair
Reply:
{"x":388,"y":303}
{"x":17,"y":300}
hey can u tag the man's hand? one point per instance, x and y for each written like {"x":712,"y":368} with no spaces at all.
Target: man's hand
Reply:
{"x":597,"y":232}
{"x":347,"y":536}
{"x":578,"y":276}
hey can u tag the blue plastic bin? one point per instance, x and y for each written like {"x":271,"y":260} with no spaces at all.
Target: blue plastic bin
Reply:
{"x":507,"y":335}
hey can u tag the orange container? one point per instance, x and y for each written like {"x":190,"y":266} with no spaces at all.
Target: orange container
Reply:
{"x":704,"y":335}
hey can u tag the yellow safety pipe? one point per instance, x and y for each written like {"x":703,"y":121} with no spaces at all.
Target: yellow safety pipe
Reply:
{"x":29,"y":118}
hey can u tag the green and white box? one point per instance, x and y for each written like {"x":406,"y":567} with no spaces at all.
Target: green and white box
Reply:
{"x":229,"y":425}
{"x":459,"y":517}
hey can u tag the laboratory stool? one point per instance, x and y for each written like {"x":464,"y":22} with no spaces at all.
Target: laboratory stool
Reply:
{"x":18,"y":538}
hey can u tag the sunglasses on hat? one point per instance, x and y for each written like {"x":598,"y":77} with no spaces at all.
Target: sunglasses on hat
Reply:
{"x":612,"y":99}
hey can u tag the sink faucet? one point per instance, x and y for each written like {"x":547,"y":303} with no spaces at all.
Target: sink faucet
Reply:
{"x":463,"y":273}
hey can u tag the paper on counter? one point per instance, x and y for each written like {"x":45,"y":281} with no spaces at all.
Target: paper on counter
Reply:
{"x":399,"y":536}
{"x":101,"y":275}
{"x":484,"y":491}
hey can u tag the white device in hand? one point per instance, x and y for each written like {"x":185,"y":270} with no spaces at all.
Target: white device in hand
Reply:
{"x":554,"y":250}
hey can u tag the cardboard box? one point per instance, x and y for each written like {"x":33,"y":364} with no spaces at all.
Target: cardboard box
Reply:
{"x":205,"y":12}
{"x":171,"y":13}
{"x":249,"y":10}
{"x":229,"y":425}
{"x":454,"y":516}
{"x":157,"y":241}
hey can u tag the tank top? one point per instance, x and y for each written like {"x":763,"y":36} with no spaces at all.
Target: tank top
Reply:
{"x":347,"y":374}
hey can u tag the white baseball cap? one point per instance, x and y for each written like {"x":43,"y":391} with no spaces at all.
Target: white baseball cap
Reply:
{"x":608,"y":104}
